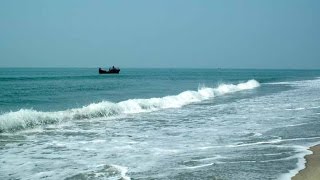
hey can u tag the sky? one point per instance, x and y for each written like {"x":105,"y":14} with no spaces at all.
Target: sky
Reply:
{"x":160,"y":34}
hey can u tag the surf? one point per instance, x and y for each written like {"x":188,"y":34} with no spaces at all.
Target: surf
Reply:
{"x":29,"y":118}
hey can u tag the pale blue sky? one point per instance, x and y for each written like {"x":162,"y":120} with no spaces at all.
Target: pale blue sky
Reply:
{"x":163,"y":33}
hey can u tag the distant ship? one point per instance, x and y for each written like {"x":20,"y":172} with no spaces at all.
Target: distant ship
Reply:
{"x":112,"y":70}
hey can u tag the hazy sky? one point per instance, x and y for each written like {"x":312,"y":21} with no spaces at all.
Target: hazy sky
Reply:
{"x":162,"y":33}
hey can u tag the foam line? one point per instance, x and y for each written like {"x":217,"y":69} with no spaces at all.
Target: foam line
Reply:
{"x":300,"y":164}
{"x":29,"y":118}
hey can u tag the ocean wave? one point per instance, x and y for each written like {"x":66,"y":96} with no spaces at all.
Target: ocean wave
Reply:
{"x":29,"y":118}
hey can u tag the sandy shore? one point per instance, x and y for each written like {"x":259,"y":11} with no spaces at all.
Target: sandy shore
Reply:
{"x":312,"y":170}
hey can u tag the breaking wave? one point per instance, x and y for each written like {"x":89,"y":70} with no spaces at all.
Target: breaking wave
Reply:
{"x":28,"y":118}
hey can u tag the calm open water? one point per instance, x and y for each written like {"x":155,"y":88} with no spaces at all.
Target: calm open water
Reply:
{"x":157,"y":123}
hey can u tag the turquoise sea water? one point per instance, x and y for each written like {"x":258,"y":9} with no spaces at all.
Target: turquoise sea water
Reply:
{"x":72,"y":123}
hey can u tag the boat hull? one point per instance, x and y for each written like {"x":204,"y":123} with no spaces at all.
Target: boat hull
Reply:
{"x":112,"y":71}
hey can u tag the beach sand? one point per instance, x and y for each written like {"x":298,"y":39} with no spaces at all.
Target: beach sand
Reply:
{"x":312,"y":170}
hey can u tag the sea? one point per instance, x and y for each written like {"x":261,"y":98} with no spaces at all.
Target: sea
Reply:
{"x":226,"y":124}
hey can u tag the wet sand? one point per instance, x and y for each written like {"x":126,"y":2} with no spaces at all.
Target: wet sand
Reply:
{"x":312,"y":170}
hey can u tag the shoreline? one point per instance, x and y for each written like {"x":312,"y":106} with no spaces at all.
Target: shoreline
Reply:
{"x":312,"y":166}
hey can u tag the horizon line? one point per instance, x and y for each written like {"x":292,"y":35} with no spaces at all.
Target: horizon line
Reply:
{"x":257,"y":68}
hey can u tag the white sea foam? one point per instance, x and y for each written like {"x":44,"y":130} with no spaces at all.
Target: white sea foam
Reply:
{"x":272,"y":141}
{"x":295,"y":109}
{"x":300,"y":164}
{"x":312,"y":83}
{"x":211,"y":158}
{"x":123,"y":171}
{"x":198,"y":166}
{"x":315,"y":107}
{"x":29,"y":118}
{"x":102,"y":171}
{"x":280,"y":83}
{"x":300,"y":139}
{"x":294,"y":125}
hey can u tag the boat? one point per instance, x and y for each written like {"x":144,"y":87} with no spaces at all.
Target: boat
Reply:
{"x":112,"y":70}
